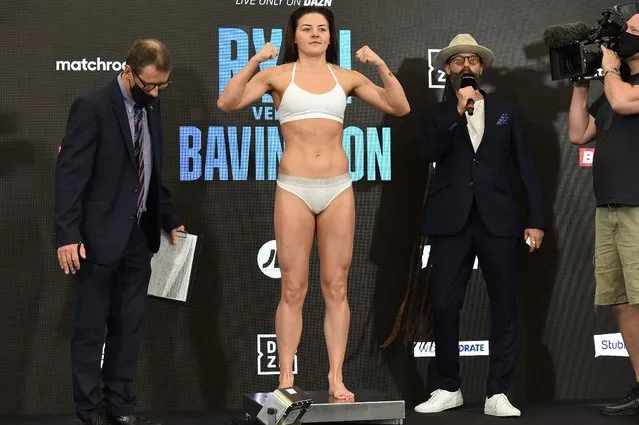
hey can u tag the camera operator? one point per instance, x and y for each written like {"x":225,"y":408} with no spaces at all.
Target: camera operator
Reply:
{"x":613,"y":119}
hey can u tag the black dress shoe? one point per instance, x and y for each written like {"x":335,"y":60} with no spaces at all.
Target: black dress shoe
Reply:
{"x":629,"y":405}
{"x":96,"y":419}
{"x":132,"y":420}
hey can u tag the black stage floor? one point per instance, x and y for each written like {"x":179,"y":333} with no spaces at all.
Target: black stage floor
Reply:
{"x":556,"y":414}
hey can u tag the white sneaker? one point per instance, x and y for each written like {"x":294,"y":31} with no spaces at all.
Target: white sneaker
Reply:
{"x":440,"y":400}
{"x":498,"y":405}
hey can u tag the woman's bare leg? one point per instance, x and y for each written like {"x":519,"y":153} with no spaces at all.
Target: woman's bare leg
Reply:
{"x":294,"y":233}
{"x":335,"y":231}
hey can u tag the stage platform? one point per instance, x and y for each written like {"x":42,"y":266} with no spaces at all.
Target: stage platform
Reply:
{"x":535,"y":414}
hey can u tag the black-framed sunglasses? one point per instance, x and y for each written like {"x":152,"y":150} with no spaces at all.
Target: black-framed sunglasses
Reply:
{"x":150,"y":86}
{"x":461,"y":59}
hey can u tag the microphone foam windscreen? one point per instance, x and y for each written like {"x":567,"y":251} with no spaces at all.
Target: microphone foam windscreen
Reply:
{"x":565,"y":34}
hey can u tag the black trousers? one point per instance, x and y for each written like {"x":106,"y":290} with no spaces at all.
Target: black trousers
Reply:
{"x":109,"y":310}
{"x":452,"y":259}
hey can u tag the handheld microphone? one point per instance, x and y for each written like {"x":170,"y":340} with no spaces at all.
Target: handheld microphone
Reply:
{"x":468,"y":80}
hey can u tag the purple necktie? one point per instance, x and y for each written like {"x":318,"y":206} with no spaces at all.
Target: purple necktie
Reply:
{"x":138,"y":120}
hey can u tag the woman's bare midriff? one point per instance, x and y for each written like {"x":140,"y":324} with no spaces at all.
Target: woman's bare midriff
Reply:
{"x":313,"y":149}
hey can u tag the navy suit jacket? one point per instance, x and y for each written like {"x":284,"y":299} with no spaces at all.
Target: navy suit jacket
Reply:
{"x":96,"y":181}
{"x":461,"y":174}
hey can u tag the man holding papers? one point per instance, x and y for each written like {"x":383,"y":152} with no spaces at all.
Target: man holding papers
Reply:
{"x":110,"y":205}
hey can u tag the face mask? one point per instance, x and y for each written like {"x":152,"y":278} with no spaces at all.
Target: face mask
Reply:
{"x":140,"y":96}
{"x":628,"y":45}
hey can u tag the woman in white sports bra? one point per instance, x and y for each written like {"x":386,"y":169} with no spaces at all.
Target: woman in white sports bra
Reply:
{"x":314,"y":196}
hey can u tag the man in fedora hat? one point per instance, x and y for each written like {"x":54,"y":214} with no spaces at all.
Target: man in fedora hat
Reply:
{"x":471,"y":211}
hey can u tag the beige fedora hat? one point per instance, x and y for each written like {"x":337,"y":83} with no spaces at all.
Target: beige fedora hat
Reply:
{"x":464,"y":43}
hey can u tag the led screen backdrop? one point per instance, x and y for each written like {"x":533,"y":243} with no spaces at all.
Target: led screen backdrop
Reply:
{"x":222,"y":168}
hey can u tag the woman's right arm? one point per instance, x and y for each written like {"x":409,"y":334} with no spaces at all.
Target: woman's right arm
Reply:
{"x":242,"y":90}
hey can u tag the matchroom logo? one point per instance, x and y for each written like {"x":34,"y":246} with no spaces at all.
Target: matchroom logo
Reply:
{"x":89,"y":65}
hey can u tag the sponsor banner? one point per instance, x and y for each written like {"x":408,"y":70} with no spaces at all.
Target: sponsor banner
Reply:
{"x":267,"y":360}
{"x":267,"y":260}
{"x":436,"y":76}
{"x":466,"y":349}
{"x":426,"y":255}
{"x":610,"y":345}
{"x":88,"y":65}
{"x":586,"y":156}
{"x":289,"y":3}
{"x":251,"y":149}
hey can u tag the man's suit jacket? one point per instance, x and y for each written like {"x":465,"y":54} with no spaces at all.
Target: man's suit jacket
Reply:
{"x":96,"y":179}
{"x":461,"y":174}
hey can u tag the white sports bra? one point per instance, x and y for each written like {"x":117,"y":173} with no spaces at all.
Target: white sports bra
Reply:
{"x":299,"y":104}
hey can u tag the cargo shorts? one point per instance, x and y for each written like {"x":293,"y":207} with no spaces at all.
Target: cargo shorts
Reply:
{"x":617,"y":255}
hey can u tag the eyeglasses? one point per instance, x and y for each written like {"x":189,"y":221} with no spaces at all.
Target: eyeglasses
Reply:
{"x":150,"y":86}
{"x":460,"y":60}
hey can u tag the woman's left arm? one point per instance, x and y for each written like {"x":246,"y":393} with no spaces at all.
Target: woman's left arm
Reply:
{"x":390,"y":99}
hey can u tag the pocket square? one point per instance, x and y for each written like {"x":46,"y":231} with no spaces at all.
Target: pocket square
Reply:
{"x":503,"y":119}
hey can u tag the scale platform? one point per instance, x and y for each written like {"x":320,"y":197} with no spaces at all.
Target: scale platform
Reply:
{"x":369,"y":407}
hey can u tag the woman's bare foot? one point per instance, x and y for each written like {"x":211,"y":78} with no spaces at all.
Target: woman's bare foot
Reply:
{"x":286,"y":380}
{"x":339,"y":392}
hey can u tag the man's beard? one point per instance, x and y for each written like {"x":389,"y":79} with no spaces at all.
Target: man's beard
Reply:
{"x":455,"y":79}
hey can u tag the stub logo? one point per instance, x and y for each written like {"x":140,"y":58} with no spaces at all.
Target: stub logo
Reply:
{"x":466,"y":349}
{"x":426,"y":255}
{"x":267,"y":360}
{"x":436,"y":76}
{"x":610,"y":345}
{"x":586,"y":156}
{"x":267,"y":260}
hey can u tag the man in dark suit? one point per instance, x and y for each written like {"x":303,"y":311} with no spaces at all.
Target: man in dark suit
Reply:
{"x":110,"y":204}
{"x":471,"y":211}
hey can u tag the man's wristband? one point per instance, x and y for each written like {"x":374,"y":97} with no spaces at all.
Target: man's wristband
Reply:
{"x":612,"y":70}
